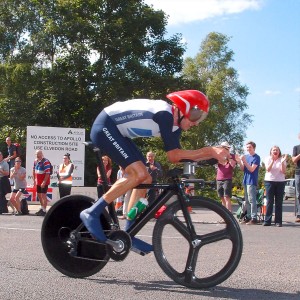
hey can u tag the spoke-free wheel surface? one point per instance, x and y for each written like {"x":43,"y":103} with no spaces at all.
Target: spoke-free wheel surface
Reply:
{"x":214,"y":253}
{"x":61,"y":219}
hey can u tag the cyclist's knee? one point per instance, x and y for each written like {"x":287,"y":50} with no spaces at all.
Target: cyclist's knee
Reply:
{"x":139,"y":172}
{"x":142,"y":176}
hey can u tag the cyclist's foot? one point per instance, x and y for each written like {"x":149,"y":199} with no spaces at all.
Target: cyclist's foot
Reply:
{"x":141,"y":246}
{"x":93,"y":225}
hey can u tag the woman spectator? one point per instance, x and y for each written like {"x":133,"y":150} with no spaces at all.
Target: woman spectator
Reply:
{"x":65,"y":176}
{"x":18,"y":175}
{"x":108,"y":169}
{"x":274,"y":184}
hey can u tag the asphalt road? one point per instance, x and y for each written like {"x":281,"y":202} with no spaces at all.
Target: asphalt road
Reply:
{"x":269,"y":268}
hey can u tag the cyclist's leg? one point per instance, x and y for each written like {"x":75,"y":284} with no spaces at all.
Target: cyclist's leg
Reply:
{"x":122,"y":151}
{"x":90,"y":216}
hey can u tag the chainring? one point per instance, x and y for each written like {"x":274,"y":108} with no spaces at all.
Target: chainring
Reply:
{"x":125,"y":244}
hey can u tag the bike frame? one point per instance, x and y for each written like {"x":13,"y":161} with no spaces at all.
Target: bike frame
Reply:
{"x":169,"y":190}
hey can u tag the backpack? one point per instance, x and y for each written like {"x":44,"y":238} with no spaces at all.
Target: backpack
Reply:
{"x":24,"y":207}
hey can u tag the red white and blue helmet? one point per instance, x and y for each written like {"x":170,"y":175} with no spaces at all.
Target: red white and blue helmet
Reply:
{"x":193,"y":104}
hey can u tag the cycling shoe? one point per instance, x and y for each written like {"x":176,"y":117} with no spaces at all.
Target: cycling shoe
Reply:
{"x":93,"y":225}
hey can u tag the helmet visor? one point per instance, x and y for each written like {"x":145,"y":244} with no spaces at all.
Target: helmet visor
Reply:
{"x":197,"y":115}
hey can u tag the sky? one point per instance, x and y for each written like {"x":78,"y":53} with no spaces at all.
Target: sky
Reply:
{"x":265,"y":38}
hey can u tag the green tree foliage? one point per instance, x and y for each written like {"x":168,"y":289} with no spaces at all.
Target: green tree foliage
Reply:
{"x":64,"y":60}
{"x":211,"y":72}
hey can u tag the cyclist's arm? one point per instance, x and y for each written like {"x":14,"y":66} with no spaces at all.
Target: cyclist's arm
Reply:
{"x":171,"y":139}
{"x":176,"y":155}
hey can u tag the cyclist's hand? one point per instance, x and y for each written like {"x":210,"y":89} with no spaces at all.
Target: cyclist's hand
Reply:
{"x":220,"y":153}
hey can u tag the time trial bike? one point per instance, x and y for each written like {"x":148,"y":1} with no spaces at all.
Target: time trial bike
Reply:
{"x":197,"y":242}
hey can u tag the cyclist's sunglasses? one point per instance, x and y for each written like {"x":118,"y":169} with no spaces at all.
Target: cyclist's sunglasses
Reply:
{"x":197,"y":115}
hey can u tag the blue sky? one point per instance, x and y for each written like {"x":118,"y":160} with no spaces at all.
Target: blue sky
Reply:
{"x":265,"y":37}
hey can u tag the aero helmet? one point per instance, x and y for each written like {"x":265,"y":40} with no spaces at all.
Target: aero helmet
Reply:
{"x":193,"y":104}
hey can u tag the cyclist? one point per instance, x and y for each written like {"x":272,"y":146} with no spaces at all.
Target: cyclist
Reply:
{"x":116,"y":126}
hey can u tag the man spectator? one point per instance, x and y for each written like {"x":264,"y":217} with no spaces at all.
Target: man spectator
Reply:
{"x":155,"y":170}
{"x":12,"y":153}
{"x":250,"y":165}
{"x":41,"y":177}
{"x":296,"y":161}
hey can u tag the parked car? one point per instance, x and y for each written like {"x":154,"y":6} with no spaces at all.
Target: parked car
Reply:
{"x":289,"y":190}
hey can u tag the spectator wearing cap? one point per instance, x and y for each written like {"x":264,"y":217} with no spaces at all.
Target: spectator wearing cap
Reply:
{"x":224,"y":178}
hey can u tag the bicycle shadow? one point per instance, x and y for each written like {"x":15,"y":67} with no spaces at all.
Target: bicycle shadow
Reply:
{"x":217,"y":292}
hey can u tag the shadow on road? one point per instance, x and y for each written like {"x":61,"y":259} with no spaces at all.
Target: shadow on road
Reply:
{"x":217,"y":292}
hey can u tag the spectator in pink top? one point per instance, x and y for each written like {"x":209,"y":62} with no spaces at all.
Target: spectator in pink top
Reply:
{"x":224,"y":178}
{"x":274,"y":183}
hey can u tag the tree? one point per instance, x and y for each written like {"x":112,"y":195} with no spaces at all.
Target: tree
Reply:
{"x":65,"y":60}
{"x":62,"y":61}
{"x":210,"y":72}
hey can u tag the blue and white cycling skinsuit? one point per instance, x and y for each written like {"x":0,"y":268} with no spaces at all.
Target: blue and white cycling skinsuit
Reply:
{"x":119,"y":123}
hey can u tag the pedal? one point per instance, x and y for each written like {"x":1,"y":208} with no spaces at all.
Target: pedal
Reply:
{"x":142,"y":253}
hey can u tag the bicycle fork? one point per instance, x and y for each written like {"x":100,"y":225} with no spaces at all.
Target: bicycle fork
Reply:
{"x":195,"y":241}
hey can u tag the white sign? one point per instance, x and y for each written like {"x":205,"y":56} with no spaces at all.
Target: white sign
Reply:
{"x":55,"y":142}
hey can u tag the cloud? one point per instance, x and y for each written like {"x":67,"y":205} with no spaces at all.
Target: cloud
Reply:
{"x":187,"y":11}
{"x":297,"y":90}
{"x":272,"y":93}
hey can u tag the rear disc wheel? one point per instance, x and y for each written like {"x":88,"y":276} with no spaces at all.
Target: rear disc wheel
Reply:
{"x":60,"y":221}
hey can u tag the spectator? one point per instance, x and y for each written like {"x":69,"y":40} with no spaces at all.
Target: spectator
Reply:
{"x":250,"y":165}
{"x":224,"y":178}
{"x":155,"y":170}
{"x":4,"y":184}
{"x":120,"y":200}
{"x":124,"y":198}
{"x":18,"y":175}
{"x":108,"y":168}
{"x":65,"y":176}
{"x":116,"y":126}
{"x":296,"y":161}
{"x":12,"y":153}
{"x":41,"y":178}
{"x":274,"y":185}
